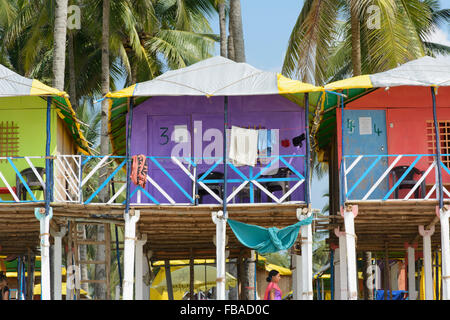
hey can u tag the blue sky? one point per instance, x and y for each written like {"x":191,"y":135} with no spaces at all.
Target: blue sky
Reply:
{"x":267,"y":26}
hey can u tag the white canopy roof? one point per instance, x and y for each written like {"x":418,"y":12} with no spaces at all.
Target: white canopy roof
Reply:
{"x":216,"y":76}
{"x":14,"y":85}
{"x":425,"y":71}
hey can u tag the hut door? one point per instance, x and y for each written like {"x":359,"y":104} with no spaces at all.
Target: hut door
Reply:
{"x":365,"y":134}
{"x":169,"y":136}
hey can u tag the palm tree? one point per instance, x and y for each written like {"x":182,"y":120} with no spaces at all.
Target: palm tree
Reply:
{"x":59,"y":56}
{"x":223,"y":27}
{"x":145,"y":38}
{"x":326,"y":34}
{"x":237,"y":30}
{"x":100,"y":270}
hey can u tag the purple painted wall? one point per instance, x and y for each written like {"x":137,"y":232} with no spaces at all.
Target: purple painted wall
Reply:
{"x":154,"y":121}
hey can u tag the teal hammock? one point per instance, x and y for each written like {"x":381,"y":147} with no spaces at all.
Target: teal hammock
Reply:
{"x":266,"y":240}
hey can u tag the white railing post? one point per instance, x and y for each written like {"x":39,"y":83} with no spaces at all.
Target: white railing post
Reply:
{"x":444,"y":214}
{"x":349,"y":213}
{"x":411,"y":271}
{"x":426,"y":234}
{"x":343,"y":292}
{"x":139,"y":262}
{"x":57,"y":262}
{"x":44,"y":221}
{"x":306,"y":242}
{"x":129,"y":249}
{"x":336,"y":271}
{"x":220,"y":222}
{"x":297,"y":285}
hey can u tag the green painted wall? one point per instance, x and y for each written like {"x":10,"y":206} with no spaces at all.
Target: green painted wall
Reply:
{"x":30,"y":114}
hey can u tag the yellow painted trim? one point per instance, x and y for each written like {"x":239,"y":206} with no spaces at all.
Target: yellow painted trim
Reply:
{"x":124,"y":93}
{"x":361,"y":82}
{"x":286,"y":85}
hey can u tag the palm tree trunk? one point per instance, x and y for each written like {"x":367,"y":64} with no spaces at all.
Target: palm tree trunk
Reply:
{"x":230,"y":47}
{"x":59,"y":56}
{"x":83,"y":257}
{"x":223,"y":28}
{"x":367,"y":275}
{"x":100,"y":271}
{"x":72,"y":76}
{"x":237,"y":30}
{"x":356,"y":38}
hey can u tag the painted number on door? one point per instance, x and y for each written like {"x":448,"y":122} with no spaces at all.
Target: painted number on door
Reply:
{"x":165,"y":138}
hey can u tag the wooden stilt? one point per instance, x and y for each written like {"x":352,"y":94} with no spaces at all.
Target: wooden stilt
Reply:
{"x":411,"y":273}
{"x":386,"y":271}
{"x":336,"y":271}
{"x":107,"y":227}
{"x":168,"y":279}
{"x":436,"y":274}
{"x":30,"y":274}
{"x":76,"y":253}
{"x":69,"y":261}
{"x":191,"y":274}
{"x":241,"y":272}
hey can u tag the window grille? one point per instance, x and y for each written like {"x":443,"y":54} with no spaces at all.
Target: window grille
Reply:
{"x":444,"y":140}
{"x":9,"y":139}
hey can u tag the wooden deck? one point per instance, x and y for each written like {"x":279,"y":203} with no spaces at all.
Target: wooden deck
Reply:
{"x":172,"y":231}
{"x":390,"y":223}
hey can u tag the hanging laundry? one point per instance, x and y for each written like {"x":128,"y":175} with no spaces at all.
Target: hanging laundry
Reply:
{"x":267,"y":139}
{"x":139,"y":170}
{"x":262,"y":140}
{"x":297,"y":141}
{"x":243,"y":150}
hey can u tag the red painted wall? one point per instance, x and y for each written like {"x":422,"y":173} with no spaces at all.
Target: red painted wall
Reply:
{"x":407,"y":111}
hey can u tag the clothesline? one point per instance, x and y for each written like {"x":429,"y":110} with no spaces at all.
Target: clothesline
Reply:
{"x":263,"y":128}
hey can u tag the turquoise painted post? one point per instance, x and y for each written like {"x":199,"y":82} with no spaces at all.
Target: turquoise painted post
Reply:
{"x":225,"y":167}
{"x":438,"y":150}
{"x":128,"y":158}
{"x":48,"y":185}
{"x":307,"y":155}
{"x":341,"y":171}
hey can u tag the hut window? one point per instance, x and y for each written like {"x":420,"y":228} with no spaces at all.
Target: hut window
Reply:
{"x":444,"y":137}
{"x":9,"y":139}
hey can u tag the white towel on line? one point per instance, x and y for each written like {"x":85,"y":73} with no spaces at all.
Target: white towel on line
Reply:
{"x":243,"y":147}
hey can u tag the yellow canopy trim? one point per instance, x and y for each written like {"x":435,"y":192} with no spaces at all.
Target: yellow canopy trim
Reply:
{"x":283,"y":271}
{"x":40,"y":89}
{"x":286,"y":85}
{"x":124,"y":93}
{"x":359,"y":82}
{"x":37,"y":289}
